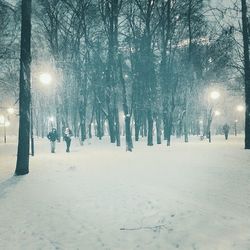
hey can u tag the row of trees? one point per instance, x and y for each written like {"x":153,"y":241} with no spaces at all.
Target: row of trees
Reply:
{"x":144,"y":58}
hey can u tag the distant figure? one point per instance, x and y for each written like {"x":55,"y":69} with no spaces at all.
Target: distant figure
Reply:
{"x":67,"y":137}
{"x":226,"y":130}
{"x":53,"y":136}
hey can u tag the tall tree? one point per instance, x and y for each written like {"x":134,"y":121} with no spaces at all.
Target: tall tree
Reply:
{"x":22,"y":165}
{"x":110,"y":11}
{"x":246,"y":71}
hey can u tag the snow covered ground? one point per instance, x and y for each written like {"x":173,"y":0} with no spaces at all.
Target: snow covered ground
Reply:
{"x":188,"y":196}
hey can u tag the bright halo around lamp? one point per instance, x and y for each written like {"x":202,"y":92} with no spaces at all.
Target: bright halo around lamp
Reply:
{"x":51,"y":119}
{"x":45,"y":78}
{"x":240,"y":108}
{"x":215,"y":95}
{"x":217,"y":113}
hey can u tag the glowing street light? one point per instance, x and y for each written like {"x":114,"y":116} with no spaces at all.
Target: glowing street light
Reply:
{"x":217,"y":113}
{"x":235,"y":127}
{"x":45,"y":78}
{"x":5,"y":123}
{"x":215,"y":95}
{"x":2,"y":119}
{"x":51,"y":119}
{"x":240,"y":108}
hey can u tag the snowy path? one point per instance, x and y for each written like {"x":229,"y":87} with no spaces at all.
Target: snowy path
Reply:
{"x":189,"y":196}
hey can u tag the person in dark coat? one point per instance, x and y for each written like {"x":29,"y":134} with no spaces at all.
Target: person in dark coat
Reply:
{"x":53,"y":136}
{"x":226,"y":130}
{"x":67,"y":138}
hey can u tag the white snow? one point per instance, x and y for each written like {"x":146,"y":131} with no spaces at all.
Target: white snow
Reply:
{"x":188,"y":196}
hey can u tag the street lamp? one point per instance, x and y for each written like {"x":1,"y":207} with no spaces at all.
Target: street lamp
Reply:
{"x":51,"y":119}
{"x":235,"y":127}
{"x":45,"y":78}
{"x":217,"y":113}
{"x":240,"y":108}
{"x":215,"y":95}
{"x":2,"y":123}
{"x":2,"y":119}
{"x":5,"y":123}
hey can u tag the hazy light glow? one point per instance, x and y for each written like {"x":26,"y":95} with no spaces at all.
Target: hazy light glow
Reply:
{"x":236,"y":121}
{"x":2,"y":119}
{"x":215,"y":95}
{"x":45,"y":78}
{"x":11,"y":111}
{"x":240,"y":108}
{"x":216,"y":113}
{"x":51,"y":119}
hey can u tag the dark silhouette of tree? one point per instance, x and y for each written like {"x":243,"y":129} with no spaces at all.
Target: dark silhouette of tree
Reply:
{"x":22,"y":165}
{"x":246,"y":34}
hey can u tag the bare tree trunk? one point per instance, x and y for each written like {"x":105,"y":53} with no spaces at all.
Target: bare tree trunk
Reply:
{"x":247,"y":73}
{"x":22,"y":165}
{"x":137,"y":126}
{"x":169,"y":128}
{"x":117,"y":122}
{"x":98,"y":121}
{"x":185,"y":127}
{"x":150,"y":127}
{"x":158,"y":130}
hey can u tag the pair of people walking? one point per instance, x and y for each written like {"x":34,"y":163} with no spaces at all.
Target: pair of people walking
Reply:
{"x":53,"y":136}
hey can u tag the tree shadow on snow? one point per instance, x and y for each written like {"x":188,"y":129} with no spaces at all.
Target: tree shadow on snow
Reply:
{"x":8,"y":184}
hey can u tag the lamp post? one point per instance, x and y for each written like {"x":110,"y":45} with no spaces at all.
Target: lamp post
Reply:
{"x":6,"y":124}
{"x":45,"y":78}
{"x":217,"y":113}
{"x":239,"y":108}
{"x":235,"y":127}
{"x":214,"y":95}
{"x":4,"y":121}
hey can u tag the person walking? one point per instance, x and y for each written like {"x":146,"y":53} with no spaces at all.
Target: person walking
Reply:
{"x":67,"y":137}
{"x":53,"y":136}
{"x":226,"y":130}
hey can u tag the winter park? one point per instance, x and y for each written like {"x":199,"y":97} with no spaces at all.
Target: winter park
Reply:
{"x":124,"y":124}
